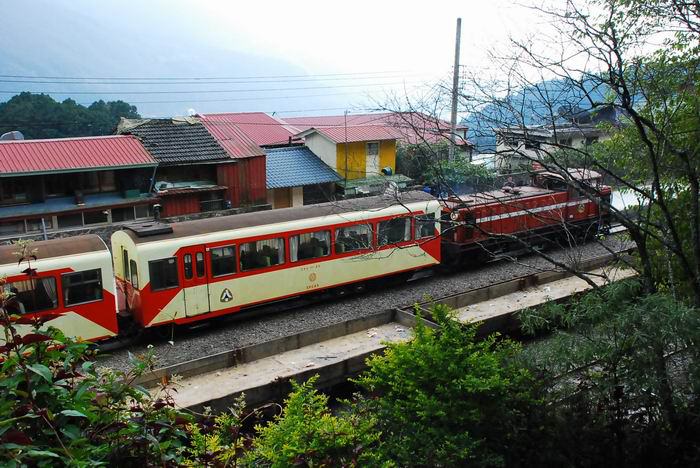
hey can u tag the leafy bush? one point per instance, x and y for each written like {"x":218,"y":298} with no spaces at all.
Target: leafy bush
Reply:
{"x":308,"y":434}
{"x":445,"y":399}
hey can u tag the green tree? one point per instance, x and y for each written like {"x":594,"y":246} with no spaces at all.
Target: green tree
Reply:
{"x":622,"y":378}
{"x":447,"y":399}
{"x":40,"y":116}
{"x":306,"y":433}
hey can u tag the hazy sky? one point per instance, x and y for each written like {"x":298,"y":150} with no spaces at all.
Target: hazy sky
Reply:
{"x":363,"y":34}
{"x":386,"y":45}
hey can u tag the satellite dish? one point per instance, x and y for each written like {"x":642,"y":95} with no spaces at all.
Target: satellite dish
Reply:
{"x":13,"y":135}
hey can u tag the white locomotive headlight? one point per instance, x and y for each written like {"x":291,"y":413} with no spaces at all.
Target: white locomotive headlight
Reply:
{"x":454,"y":216}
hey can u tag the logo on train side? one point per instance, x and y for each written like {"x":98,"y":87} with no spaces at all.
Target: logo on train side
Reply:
{"x":226,"y":295}
{"x":312,"y":277}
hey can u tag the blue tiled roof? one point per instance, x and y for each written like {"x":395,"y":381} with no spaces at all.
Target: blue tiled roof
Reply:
{"x":296,"y":166}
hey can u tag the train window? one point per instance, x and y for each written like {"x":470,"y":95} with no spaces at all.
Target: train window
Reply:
{"x":187,"y":261}
{"x":82,"y":286}
{"x":200,"y":264}
{"x":262,"y":254}
{"x":32,"y":296}
{"x":125,"y":261}
{"x":223,"y":261}
{"x":134,"y":275}
{"x":394,"y":230}
{"x":425,"y":226}
{"x":310,"y":245}
{"x":163,"y":273}
{"x":351,"y":238}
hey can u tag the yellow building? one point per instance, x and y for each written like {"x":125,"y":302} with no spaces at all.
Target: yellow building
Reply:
{"x":354,"y":152}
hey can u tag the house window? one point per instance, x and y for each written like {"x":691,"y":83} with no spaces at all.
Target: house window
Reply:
{"x":372,"y":166}
{"x":8,"y":228}
{"x":394,"y":231}
{"x":144,"y":211}
{"x":262,"y":254}
{"x":13,"y":191}
{"x":163,"y":274}
{"x":83,"y":286}
{"x":70,"y":220}
{"x":122,"y":214}
{"x":107,"y":183}
{"x":310,"y":245}
{"x":34,"y":225}
{"x":32,"y":296}
{"x":223,"y":261}
{"x":351,"y":238}
{"x":56,"y":186}
{"x":95,"y":217}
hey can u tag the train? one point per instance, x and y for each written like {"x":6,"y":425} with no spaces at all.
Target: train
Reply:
{"x":156,"y":274}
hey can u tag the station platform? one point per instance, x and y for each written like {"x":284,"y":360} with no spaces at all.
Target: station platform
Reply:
{"x":335,"y":358}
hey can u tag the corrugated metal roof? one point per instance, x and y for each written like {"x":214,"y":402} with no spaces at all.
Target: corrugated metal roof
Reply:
{"x":176,"y":141}
{"x":259,"y":127}
{"x":22,"y":157}
{"x":230,"y":136}
{"x":296,"y":166}
{"x":409,"y":127}
{"x":353,"y":134}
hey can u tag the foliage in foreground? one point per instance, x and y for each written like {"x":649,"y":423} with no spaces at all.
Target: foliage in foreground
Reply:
{"x":308,"y":434}
{"x":623,"y":378}
{"x":445,"y":398}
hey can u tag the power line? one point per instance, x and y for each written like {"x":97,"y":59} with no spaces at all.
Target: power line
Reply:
{"x":219,"y":81}
{"x":215,"y":91}
{"x":259,"y":98}
{"x":201,"y":78}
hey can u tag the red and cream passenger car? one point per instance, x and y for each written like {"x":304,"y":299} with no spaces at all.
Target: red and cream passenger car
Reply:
{"x":486,"y":223}
{"x":74,"y":281}
{"x":194,"y":270}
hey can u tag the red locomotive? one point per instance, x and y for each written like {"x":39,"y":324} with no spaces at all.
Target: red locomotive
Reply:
{"x":500,"y":221}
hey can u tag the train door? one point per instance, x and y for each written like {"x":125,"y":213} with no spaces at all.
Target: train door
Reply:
{"x":195,"y":285}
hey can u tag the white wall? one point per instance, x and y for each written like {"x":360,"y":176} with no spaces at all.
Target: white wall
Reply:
{"x":322,"y":148}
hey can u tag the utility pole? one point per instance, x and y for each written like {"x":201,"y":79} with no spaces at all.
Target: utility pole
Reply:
{"x":455,"y":86}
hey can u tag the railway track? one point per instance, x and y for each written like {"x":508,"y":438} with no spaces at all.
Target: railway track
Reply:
{"x":335,"y":352}
{"x":272,"y":322}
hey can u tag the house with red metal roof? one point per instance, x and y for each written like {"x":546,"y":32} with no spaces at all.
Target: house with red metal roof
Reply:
{"x":294,"y":175}
{"x":264,"y":130}
{"x":55,"y":185}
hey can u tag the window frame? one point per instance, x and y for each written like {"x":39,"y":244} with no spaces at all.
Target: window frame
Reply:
{"x":403,"y":241}
{"x":134,"y":271}
{"x":82,"y":272}
{"x":421,"y":220}
{"x":150,"y":275}
{"x":328,"y":229}
{"x":372,"y":241}
{"x":282,"y":245}
{"x":8,"y":286}
{"x":211,"y":260}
